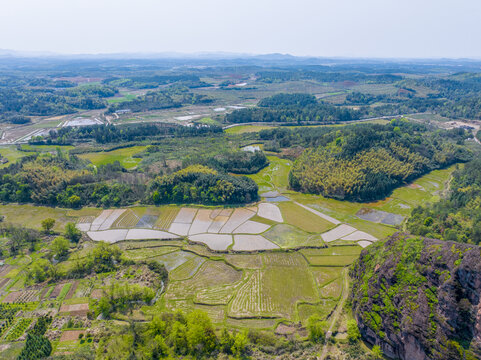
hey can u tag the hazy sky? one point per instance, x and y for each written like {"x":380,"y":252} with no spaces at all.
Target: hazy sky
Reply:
{"x":362,"y":28}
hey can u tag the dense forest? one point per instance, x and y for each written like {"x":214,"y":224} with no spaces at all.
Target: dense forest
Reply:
{"x":237,"y":162}
{"x":365,"y":162}
{"x":154,"y":81}
{"x":292,"y":108}
{"x":163,"y":99}
{"x":72,"y":182}
{"x":104,"y":134}
{"x":458,"y":217}
{"x":16,"y":103}
{"x":200,"y":184}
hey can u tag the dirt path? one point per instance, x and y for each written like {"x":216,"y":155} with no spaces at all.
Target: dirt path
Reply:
{"x":337,"y":313}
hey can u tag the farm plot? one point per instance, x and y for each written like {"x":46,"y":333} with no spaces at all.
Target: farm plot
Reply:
{"x":364,"y":243}
{"x":187,"y":269}
{"x":111,"y":219}
{"x":216,"y":313}
{"x":251,"y":227}
{"x":324,"y":275}
{"x":71,"y":335}
{"x":215,"y":295}
{"x":245,"y":261}
{"x":379,"y":216}
{"x":166,"y":218}
{"x":18,"y":329}
{"x":288,"y":236}
{"x":323,"y":310}
{"x":22,"y":296}
{"x":333,"y":251}
{"x":304,"y":219}
{"x":339,"y":260}
{"x":56,"y":291}
{"x":201,"y":222}
{"x":146,"y":253}
{"x":147,"y":234}
{"x":99,"y":220}
{"x":246,"y":302}
{"x":75,"y":309}
{"x":252,"y":243}
{"x":4,"y":270}
{"x":218,"y":242}
{"x":338,"y":232}
{"x":283,"y":286}
{"x":270,"y":212}
{"x":185,"y":216}
{"x":174,"y":259}
{"x":127,"y":220}
{"x":72,"y":290}
{"x":109,"y":236}
{"x":332,"y":289}
{"x":212,"y":274}
{"x":284,"y":259}
{"x":238,"y":217}
{"x":217,"y":223}
{"x":359,"y":235}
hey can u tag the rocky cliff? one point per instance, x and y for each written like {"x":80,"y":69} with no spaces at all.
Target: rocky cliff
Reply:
{"x":419,"y":299}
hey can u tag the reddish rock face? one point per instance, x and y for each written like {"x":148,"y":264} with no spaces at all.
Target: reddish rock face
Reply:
{"x":419,"y":299}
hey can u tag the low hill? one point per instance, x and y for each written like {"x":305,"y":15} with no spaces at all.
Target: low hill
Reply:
{"x":419,"y":299}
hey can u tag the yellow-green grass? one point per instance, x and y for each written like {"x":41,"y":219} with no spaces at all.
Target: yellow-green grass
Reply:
{"x":251,"y":323}
{"x":337,"y":260}
{"x":333,"y":251}
{"x":275,"y":175}
{"x":295,"y":215}
{"x":323,"y":309}
{"x":146,"y":253}
{"x":208,"y":121}
{"x":282,"y":287}
{"x":288,"y":236}
{"x":124,"y":156}
{"x":210,"y":276}
{"x":187,"y":269}
{"x":64,"y":291}
{"x":243,"y":129}
{"x":167,"y":216}
{"x":48,"y":148}
{"x":31,"y":216}
{"x":11,"y":154}
{"x":245,"y":261}
{"x":324,"y":275}
{"x":332,"y":289}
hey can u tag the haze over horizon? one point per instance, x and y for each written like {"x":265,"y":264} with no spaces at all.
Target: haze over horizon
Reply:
{"x":347,"y":28}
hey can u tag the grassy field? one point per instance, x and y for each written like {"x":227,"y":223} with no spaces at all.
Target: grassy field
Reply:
{"x":124,"y":156}
{"x":11,"y":153}
{"x":295,"y":215}
{"x":288,"y":236}
{"x":243,"y":129}
{"x":273,"y":176}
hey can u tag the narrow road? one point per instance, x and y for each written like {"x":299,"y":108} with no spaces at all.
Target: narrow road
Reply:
{"x":337,"y":312}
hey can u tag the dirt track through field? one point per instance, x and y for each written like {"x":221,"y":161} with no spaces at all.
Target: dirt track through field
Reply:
{"x":336,"y":313}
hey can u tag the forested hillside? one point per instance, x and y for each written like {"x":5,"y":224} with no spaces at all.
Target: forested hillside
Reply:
{"x":292,"y":108}
{"x":418,"y":299}
{"x":365,"y":162}
{"x":457,"y":217}
{"x":72,"y":182}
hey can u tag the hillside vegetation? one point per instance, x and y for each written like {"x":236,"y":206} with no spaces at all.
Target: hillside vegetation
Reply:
{"x":417,"y":299}
{"x":366,"y":162}
{"x":457,"y":217}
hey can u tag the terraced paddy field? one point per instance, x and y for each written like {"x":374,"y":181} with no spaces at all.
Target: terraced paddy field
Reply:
{"x":280,"y":260}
